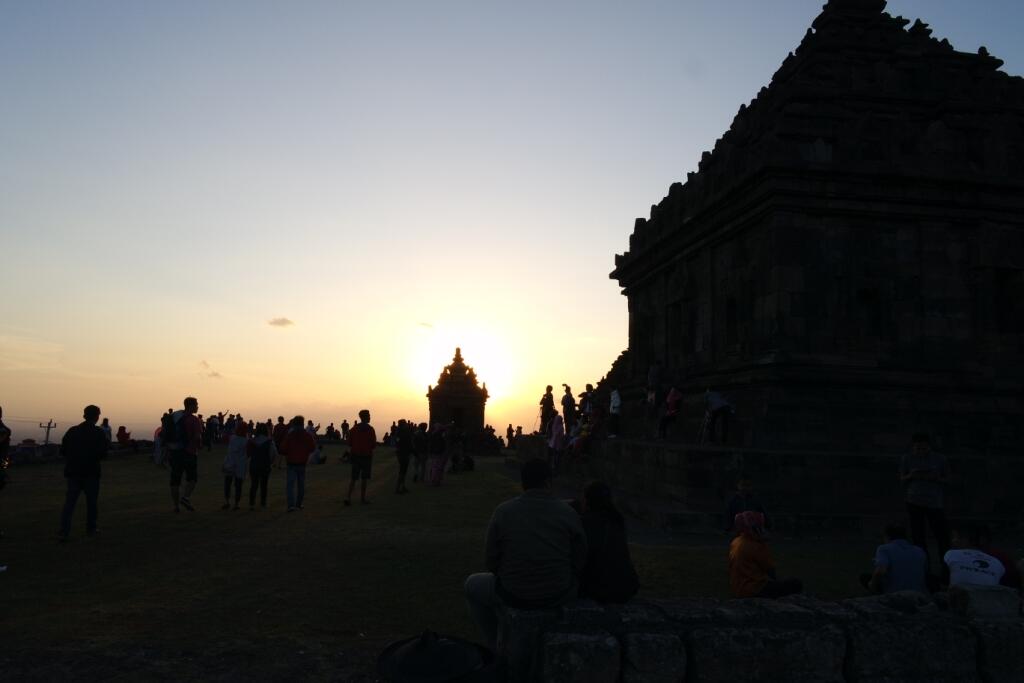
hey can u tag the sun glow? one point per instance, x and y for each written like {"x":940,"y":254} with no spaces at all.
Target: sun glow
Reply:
{"x":432,"y":347}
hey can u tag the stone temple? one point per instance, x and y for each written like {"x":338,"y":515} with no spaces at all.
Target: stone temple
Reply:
{"x":847,"y":264}
{"x":458,"y":399}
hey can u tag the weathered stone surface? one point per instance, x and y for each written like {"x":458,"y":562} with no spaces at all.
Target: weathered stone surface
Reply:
{"x":887,"y":646}
{"x":581,"y":658}
{"x":519,"y":641}
{"x":984,"y":602}
{"x":689,"y":611}
{"x":766,"y":654}
{"x":832,"y":611}
{"x":653,"y":658}
{"x":1000,"y":650}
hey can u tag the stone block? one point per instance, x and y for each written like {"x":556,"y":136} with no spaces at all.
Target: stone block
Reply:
{"x":901,"y":648}
{"x":581,"y":658}
{"x":688,"y":611}
{"x":519,"y":641}
{"x":985,"y":602}
{"x":832,"y":611}
{"x":766,"y":654}
{"x":653,"y":658}
{"x":1000,"y":650}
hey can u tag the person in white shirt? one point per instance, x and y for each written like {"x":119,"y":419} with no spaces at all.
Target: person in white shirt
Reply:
{"x":969,"y":566}
{"x":614,"y":410}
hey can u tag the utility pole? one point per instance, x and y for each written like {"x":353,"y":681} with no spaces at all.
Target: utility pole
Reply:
{"x":50,"y":424}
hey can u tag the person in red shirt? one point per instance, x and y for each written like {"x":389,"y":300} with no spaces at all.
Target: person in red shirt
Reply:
{"x":184,"y":445}
{"x":296,"y":447}
{"x":362,"y":439}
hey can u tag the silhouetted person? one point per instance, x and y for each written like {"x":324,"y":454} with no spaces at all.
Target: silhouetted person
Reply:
{"x":344,"y":430}
{"x":718,"y":409}
{"x":279,"y":432}
{"x":535,"y":550}
{"x":568,"y":408}
{"x":614,"y":413}
{"x":5,"y":446}
{"x":262,"y":454}
{"x":236,"y":463}
{"x":671,"y":412}
{"x":124,"y":438}
{"x":744,"y":500}
{"x":83,"y":446}
{"x":587,"y":401}
{"x":924,"y":474}
{"x":899,"y":564}
{"x":404,"y":449}
{"x":968,"y":565}
{"x":609,"y":574}
{"x":556,"y":442}
{"x":421,"y":449}
{"x":185,"y":435}
{"x":362,"y":441}
{"x":105,"y":426}
{"x":547,"y":409}
{"x":751,"y":568}
{"x":296,"y":447}
{"x":438,"y":454}
{"x":510,"y":436}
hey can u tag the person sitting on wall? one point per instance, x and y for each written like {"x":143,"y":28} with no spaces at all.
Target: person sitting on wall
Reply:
{"x":982,"y":540}
{"x":535,"y":550}
{"x":744,"y":500}
{"x":969,"y":566}
{"x":899,"y":564}
{"x":751,"y":568}
{"x":609,"y":574}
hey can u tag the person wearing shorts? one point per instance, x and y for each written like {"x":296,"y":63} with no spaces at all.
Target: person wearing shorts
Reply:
{"x":362,"y":439}
{"x":184,"y":454}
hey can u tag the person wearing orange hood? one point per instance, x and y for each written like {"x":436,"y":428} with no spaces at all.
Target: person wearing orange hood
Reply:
{"x":751,"y":568}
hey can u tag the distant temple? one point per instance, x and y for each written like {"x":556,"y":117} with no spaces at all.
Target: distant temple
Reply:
{"x":847,"y":264}
{"x":457,"y":398}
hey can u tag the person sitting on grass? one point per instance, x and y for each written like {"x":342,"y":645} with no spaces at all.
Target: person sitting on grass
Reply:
{"x":899,"y":564}
{"x":124,"y":439}
{"x":744,"y":500}
{"x":535,"y":550}
{"x":969,"y":566}
{"x":609,"y":574}
{"x":751,"y":568}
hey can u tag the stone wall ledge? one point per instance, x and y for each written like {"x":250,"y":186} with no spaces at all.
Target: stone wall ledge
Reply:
{"x":971,"y":634}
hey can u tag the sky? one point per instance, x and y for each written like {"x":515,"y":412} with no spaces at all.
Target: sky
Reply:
{"x":304,"y":207}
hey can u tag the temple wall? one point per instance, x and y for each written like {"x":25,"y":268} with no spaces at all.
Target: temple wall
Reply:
{"x":808,"y":493}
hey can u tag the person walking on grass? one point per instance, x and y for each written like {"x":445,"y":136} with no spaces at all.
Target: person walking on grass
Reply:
{"x":362,"y":439}
{"x":184,"y":435}
{"x":83,"y":446}
{"x":262,"y":454}
{"x":235,"y":464}
{"x":438,"y":454}
{"x":297,"y":446}
{"x":404,"y":448}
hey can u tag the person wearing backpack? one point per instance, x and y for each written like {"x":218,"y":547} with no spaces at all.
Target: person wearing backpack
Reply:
{"x":262,"y":454}
{"x":183,"y":433}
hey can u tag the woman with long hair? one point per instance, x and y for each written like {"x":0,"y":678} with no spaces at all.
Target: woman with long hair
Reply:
{"x":609,"y":575}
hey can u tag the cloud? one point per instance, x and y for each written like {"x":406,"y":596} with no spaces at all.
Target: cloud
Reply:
{"x":208,"y":371}
{"x":280,"y":322}
{"x":426,"y":325}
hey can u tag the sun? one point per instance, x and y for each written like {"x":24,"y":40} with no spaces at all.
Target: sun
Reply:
{"x":432,"y":347}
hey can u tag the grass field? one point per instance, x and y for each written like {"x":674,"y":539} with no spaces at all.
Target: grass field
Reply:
{"x":220,"y":595}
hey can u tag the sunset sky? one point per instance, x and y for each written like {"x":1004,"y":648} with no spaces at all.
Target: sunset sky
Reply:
{"x":304,"y":207}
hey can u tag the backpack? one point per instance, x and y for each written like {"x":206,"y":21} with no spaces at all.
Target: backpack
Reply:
{"x":169,"y":431}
